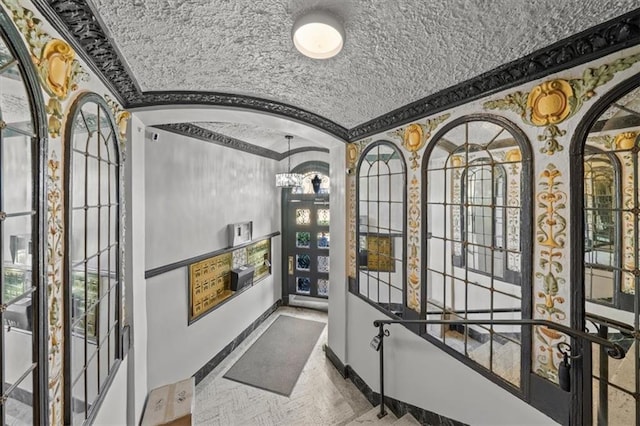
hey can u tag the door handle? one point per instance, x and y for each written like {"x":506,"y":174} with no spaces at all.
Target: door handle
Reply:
{"x":290,"y":265}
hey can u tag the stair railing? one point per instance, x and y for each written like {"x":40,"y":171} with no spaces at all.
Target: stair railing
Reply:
{"x":613,"y":349}
{"x":602,"y":325}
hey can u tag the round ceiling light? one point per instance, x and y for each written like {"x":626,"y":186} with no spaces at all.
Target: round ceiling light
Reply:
{"x":318,"y":35}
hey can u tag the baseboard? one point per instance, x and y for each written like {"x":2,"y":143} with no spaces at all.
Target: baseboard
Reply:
{"x":333,"y":358}
{"x":399,"y":408}
{"x":220,"y":356}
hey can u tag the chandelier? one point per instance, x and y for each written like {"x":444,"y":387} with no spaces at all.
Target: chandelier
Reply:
{"x":288,"y":179}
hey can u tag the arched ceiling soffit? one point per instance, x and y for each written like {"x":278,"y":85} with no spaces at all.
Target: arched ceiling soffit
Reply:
{"x":401,"y":61}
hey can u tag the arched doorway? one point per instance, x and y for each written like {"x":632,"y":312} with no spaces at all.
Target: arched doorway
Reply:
{"x":306,"y":238}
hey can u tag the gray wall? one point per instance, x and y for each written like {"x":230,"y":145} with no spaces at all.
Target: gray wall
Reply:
{"x":193,"y":190}
{"x":423,"y":375}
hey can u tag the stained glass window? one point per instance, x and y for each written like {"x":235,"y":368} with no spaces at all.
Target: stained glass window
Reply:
{"x":323,"y":240}
{"x":323,"y":264}
{"x":323,"y":287}
{"x":303,"y":285}
{"x":303,"y":239}
{"x":303,"y":261}
{"x":323,"y":217}
{"x":303,"y":216}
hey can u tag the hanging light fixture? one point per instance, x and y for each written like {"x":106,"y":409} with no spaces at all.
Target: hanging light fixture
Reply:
{"x":288,"y":180}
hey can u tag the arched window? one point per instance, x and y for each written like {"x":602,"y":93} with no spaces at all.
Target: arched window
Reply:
{"x":381,"y":189}
{"x":313,"y":182}
{"x":93,"y":272}
{"x":23,"y":353}
{"x":482,"y":216}
{"x":605,"y":182}
{"x":475,"y":207}
{"x":602,"y":249}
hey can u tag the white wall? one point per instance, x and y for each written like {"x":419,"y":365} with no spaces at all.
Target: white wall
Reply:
{"x":338,"y":285}
{"x":136,"y":298}
{"x":418,"y":373}
{"x":194,"y":189}
{"x":113,"y":409}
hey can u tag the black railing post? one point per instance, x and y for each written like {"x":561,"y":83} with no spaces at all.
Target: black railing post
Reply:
{"x":603,"y":386}
{"x":381,"y":334}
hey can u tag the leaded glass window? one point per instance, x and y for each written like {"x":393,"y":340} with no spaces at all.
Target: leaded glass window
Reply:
{"x":474,"y":186}
{"x":380,"y":190}
{"x":93,"y":265}
{"x":22,"y":354}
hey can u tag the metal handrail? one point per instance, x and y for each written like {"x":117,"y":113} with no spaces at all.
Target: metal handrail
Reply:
{"x":614,"y":350}
{"x":610,"y":322}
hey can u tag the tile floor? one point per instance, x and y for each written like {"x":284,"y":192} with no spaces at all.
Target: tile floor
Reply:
{"x":320,"y":397}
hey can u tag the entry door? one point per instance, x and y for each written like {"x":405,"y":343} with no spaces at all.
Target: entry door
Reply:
{"x":308,"y":242}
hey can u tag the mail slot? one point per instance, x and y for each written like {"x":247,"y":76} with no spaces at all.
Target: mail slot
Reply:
{"x":241,"y":277}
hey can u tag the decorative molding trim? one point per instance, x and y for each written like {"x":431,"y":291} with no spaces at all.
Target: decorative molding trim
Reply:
{"x":76,"y":21}
{"x":148,"y":99}
{"x":399,"y":408}
{"x":78,"y":24}
{"x":197,"y":132}
{"x":220,"y":356}
{"x":593,"y":43}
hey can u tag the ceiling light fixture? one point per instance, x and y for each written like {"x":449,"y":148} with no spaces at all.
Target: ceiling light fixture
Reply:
{"x":288,"y":180}
{"x":318,"y":35}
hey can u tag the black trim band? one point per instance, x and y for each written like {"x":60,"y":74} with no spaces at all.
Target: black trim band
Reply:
{"x":185,"y":262}
{"x":197,"y":132}
{"x":77,"y":22}
{"x":398,"y":407}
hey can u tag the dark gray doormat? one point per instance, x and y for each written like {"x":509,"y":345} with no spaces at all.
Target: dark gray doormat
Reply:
{"x":274,"y":361}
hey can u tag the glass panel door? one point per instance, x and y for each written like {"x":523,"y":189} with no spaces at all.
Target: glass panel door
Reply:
{"x":308,"y":246}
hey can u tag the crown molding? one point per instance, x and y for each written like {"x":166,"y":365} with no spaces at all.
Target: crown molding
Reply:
{"x":197,"y":132}
{"x":148,"y":99}
{"x":78,"y":23}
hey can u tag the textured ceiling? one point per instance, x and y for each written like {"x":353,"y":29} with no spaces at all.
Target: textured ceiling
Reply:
{"x":396,"y":52}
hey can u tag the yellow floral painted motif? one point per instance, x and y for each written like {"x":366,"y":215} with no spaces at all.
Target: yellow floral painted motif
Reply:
{"x":351,"y":211}
{"x":415,"y":136}
{"x":413,"y":289}
{"x":55,"y":235}
{"x":122,"y":117}
{"x":56,"y":66}
{"x":354,"y":150}
{"x":551,"y":234}
{"x":626,"y":140}
{"x":552,"y":102}
{"x":549,"y":102}
{"x":58,"y":70}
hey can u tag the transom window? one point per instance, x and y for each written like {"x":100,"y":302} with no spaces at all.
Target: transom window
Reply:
{"x":93,"y":256}
{"x":381,"y":226}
